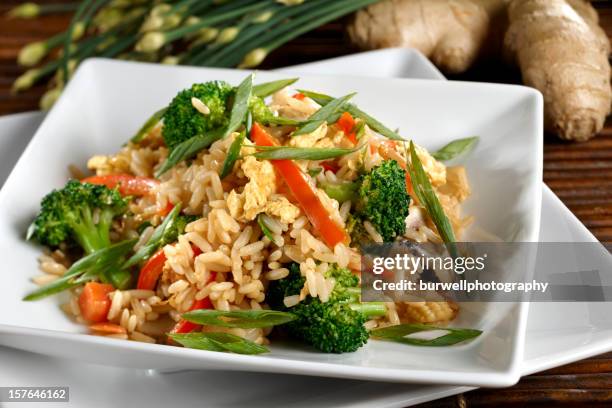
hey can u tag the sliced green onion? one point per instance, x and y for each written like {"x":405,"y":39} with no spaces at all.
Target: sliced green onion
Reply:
{"x":264,"y":228}
{"x":241,"y":105}
{"x":156,"y":240}
{"x":302,"y":153}
{"x":213,"y":341}
{"x":372,"y":122}
{"x":455,"y":148}
{"x":428,"y":198}
{"x":398,"y":334}
{"x":188,"y":149}
{"x":322,"y":115}
{"x":148,"y":125}
{"x":233,"y":154}
{"x":268,"y":88}
{"x":243,"y":319}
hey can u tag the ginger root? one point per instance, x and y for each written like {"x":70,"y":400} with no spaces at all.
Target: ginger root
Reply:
{"x":563,"y":52}
{"x":452,"y":33}
{"x":558,"y":45}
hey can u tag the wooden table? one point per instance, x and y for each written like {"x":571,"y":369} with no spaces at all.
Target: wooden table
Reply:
{"x":580,"y":174}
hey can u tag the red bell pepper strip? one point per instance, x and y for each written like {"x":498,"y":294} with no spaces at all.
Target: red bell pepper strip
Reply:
{"x":128,"y":185}
{"x":166,"y":210}
{"x":303,"y":192}
{"x":94,"y":302}
{"x":329,"y":166}
{"x":153,"y":268}
{"x":347,"y":124}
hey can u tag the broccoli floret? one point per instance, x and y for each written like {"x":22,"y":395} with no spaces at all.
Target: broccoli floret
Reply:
{"x":79,"y":212}
{"x":380,"y":197}
{"x":182,"y":121}
{"x":336,"y":326}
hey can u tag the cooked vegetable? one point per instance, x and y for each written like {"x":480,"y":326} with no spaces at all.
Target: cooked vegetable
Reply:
{"x":183,"y":121}
{"x":214,"y":341}
{"x":400,"y":332}
{"x":455,"y":148}
{"x":128,"y":185}
{"x":379,"y":197}
{"x":302,"y":153}
{"x":428,"y":198}
{"x":78,"y":213}
{"x":94,"y":302}
{"x":325,"y":114}
{"x":268,"y":88}
{"x":188,"y":149}
{"x":148,"y":125}
{"x":301,"y":189}
{"x":90,"y":267}
{"x":336,"y":326}
{"x":244,"y":319}
{"x":233,"y":154}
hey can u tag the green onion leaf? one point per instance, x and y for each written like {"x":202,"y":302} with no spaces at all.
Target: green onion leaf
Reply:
{"x":302,"y":153}
{"x":323,"y":115}
{"x":341,"y":191}
{"x":233,"y":154}
{"x":315,"y":172}
{"x":279,"y":120}
{"x":264,"y":228}
{"x":243,"y":319}
{"x":148,"y":125}
{"x":268,"y":88}
{"x":241,"y":105}
{"x":156,"y":240}
{"x":398,"y":334}
{"x":93,"y":265}
{"x":216,"y":341}
{"x":188,"y":149}
{"x":455,"y":148}
{"x":373,"y":123}
{"x":428,"y":198}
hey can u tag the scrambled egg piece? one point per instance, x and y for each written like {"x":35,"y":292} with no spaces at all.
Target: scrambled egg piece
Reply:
{"x":434,"y":169}
{"x":258,"y":195}
{"x":310,"y":139}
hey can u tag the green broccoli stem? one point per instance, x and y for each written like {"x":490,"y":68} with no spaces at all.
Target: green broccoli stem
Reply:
{"x":86,"y":232}
{"x":370,"y":309}
{"x":288,"y":30}
{"x":341,"y":192}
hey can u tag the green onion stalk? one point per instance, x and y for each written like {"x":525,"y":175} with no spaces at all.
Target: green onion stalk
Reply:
{"x":32,"y":10}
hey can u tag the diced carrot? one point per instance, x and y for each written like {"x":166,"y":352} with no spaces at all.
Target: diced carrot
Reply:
{"x":330,"y":166}
{"x":303,"y":192}
{"x":109,"y":328}
{"x":128,"y":185}
{"x":346,"y":122}
{"x":94,"y":301}
{"x":299,"y":96}
{"x":166,"y":210}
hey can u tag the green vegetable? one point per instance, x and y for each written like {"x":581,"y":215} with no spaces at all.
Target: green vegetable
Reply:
{"x":182,"y":121}
{"x":159,"y":238}
{"x":188,"y":149}
{"x":455,"y":148}
{"x":244,"y":319}
{"x":148,"y":125}
{"x":341,"y":191}
{"x":373,"y":123}
{"x":398,"y":334}
{"x":315,"y":172}
{"x":323,"y":115}
{"x":335,"y":326}
{"x":79,"y":212}
{"x":302,"y":153}
{"x":264,"y":228}
{"x":233,"y":154}
{"x":379,"y":197}
{"x":218,"y":342}
{"x":268,"y":88}
{"x":90,"y":266}
{"x":241,"y":105}
{"x":428,"y":198}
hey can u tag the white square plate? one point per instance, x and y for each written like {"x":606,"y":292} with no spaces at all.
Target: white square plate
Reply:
{"x":107,"y":100}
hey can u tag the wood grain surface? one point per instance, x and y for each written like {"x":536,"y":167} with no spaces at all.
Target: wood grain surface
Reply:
{"x":580,"y":174}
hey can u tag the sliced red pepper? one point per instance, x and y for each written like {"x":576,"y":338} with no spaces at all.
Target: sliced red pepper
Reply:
{"x":347,"y":124}
{"x":303,"y":192}
{"x":128,"y":185}
{"x":330,"y":166}
{"x":153,"y":268}
{"x":166,"y":210}
{"x":94,"y":302}
{"x":299,"y":96}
